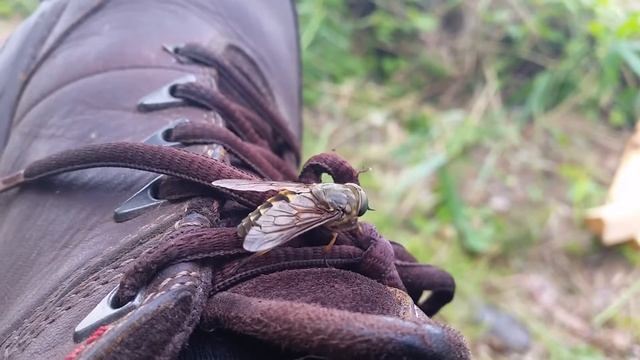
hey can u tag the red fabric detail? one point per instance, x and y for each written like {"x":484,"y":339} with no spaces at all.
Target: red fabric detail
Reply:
{"x":92,"y":338}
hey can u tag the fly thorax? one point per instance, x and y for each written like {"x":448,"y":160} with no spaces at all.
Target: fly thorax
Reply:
{"x":338,"y":197}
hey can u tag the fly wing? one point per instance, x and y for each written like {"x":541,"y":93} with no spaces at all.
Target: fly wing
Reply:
{"x":259,"y":185}
{"x":285,"y":220}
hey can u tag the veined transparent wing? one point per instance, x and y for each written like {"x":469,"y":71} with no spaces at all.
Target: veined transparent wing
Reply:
{"x":286,"y":219}
{"x":259,"y":185}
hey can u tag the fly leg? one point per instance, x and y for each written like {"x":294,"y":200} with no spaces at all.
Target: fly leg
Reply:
{"x":329,"y":246}
{"x":245,"y":261}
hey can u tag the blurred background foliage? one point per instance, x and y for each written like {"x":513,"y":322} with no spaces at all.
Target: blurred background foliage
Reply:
{"x":541,"y":52}
{"x":489,"y":127}
{"x":16,"y":8}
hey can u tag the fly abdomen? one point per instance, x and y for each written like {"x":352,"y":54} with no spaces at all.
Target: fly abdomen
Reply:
{"x":252,"y":219}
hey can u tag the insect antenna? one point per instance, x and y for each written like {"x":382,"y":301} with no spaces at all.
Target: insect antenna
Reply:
{"x":362,"y":171}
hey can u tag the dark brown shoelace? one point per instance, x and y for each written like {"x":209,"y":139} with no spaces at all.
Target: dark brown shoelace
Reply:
{"x":260,"y":140}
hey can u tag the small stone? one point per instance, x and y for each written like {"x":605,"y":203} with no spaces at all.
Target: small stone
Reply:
{"x":504,"y":332}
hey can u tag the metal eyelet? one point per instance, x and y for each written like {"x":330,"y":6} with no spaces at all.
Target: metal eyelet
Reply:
{"x":105,"y":313}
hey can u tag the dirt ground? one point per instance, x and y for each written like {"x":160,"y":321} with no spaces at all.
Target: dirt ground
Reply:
{"x":566,"y":286}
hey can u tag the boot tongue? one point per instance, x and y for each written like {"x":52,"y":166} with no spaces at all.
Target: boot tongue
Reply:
{"x":326,"y":287}
{"x":309,"y":329}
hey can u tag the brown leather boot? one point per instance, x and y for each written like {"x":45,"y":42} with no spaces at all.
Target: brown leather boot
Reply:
{"x":121,"y":264}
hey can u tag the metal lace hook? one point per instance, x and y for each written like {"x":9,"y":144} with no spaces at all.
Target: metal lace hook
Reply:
{"x":139,"y":202}
{"x":145,"y":198}
{"x":105,"y":313}
{"x":160,"y":137}
{"x":162,"y":98}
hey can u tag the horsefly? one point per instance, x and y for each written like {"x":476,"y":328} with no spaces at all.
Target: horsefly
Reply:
{"x":296,"y":209}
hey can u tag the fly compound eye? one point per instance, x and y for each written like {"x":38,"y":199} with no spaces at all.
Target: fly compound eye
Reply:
{"x":361,"y":197}
{"x":364,"y":201}
{"x":364,"y":205}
